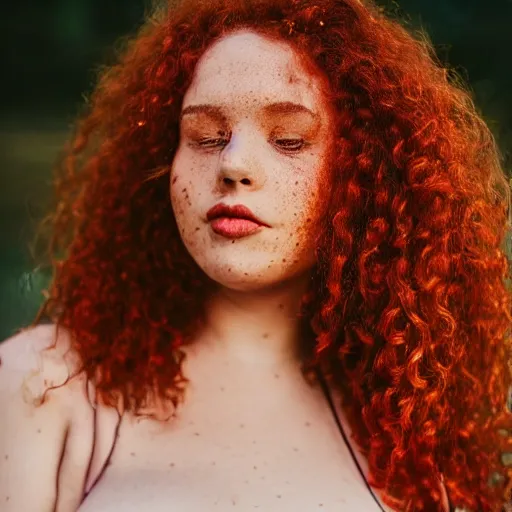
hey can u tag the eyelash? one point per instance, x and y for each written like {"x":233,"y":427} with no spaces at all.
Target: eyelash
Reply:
{"x":303,"y":143}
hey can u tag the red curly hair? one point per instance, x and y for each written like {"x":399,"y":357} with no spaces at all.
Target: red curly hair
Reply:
{"x":409,"y":308}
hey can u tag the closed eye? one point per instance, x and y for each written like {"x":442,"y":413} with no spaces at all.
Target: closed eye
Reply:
{"x":288,"y":145}
{"x":210,"y":142}
{"x":291,"y":144}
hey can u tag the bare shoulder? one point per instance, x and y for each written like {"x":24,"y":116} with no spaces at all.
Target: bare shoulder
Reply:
{"x":36,"y":436}
{"x":40,"y":359}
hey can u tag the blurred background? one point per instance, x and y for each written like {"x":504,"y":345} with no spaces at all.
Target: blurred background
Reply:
{"x":52,"y":48}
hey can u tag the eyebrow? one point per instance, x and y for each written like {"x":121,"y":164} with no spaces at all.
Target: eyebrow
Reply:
{"x":281,"y":107}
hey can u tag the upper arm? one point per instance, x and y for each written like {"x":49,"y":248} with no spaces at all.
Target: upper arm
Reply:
{"x":35,"y":438}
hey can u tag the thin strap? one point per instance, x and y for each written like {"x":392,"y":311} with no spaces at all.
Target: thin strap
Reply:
{"x":327,"y":394}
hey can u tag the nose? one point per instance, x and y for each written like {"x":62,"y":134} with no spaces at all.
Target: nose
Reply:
{"x":239,"y":164}
{"x":229,"y":178}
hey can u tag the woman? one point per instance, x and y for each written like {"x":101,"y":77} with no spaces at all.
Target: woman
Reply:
{"x":279,"y":279}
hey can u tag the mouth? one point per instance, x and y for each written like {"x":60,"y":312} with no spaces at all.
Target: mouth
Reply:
{"x":234,"y":227}
{"x":234,"y":222}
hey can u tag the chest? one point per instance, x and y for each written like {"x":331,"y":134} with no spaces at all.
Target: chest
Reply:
{"x":278,"y":451}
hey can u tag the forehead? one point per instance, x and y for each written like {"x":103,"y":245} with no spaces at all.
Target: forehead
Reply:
{"x":249,"y":68}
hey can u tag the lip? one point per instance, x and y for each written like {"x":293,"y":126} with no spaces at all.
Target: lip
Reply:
{"x":234,"y":227}
{"x":234,"y":221}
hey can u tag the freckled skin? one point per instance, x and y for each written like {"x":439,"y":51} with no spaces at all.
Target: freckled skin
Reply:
{"x":287,"y":190}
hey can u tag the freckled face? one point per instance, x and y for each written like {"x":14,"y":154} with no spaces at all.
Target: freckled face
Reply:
{"x":251,"y":146}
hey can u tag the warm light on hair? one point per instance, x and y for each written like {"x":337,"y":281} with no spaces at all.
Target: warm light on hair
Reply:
{"x":409,"y":311}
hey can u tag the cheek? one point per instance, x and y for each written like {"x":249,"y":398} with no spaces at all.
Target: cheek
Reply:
{"x":309,"y":211}
{"x":307,"y":199}
{"x":183,"y":196}
{"x":302,"y":211}
{"x":183,"y":182}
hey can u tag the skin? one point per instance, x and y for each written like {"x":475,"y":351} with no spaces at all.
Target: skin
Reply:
{"x":271,"y":160}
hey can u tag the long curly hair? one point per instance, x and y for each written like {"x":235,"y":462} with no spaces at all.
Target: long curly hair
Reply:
{"x":409,"y":307}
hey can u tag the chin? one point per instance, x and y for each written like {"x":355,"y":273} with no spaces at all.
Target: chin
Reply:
{"x":240,"y":279}
{"x":252,"y":280}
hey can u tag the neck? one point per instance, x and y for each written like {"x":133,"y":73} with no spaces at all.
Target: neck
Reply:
{"x":258,"y":328}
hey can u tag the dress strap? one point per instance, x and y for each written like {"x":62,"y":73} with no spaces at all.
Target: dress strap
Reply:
{"x":327,"y":394}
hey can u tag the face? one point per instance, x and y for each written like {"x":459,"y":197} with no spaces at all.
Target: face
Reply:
{"x":254,"y":131}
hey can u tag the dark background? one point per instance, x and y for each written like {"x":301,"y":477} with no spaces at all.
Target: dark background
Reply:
{"x":49,"y":53}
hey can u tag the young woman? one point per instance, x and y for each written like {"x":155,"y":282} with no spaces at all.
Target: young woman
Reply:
{"x":278,"y":279}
